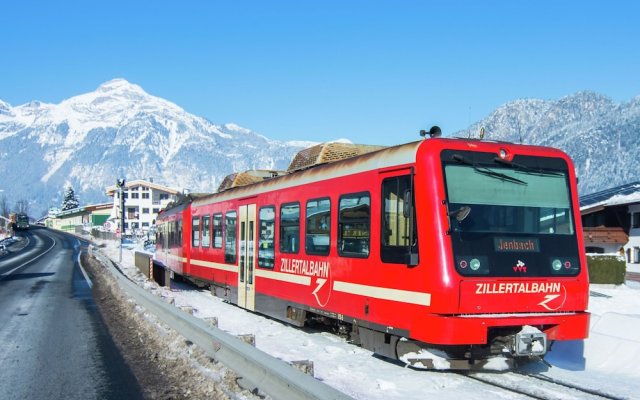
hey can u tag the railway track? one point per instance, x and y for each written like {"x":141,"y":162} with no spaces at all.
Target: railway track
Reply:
{"x":539,"y":386}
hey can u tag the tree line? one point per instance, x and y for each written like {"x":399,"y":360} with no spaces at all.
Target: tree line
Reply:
{"x":21,"y":207}
{"x":69,"y":201}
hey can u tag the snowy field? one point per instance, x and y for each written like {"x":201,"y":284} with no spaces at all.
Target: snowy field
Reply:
{"x":607,"y":361}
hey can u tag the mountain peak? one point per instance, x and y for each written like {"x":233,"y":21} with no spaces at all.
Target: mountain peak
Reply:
{"x":120,"y":85}
{"x":4,"y":105}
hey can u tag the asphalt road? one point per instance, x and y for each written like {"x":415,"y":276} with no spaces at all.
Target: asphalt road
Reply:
{"x":53,"y":342}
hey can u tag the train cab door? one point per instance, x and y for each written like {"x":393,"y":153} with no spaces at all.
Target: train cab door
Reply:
{"x":247,"y":234}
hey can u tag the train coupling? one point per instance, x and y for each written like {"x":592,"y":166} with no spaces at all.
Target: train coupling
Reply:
{"x":530,"y":342}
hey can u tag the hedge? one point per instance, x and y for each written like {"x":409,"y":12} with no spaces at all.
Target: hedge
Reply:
{"x":606,"y":269}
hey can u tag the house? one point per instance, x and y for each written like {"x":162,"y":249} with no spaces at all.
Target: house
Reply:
{"x":143,"y":200}
{"x":79,"y":218}
{"x":611,"y":221}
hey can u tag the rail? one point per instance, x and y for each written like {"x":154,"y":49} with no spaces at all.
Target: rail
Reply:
{"x":272,"y":376}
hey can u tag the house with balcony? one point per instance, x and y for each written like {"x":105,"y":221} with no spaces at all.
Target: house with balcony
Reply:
{"x":143,"y":200}
{"x":611,"y":222}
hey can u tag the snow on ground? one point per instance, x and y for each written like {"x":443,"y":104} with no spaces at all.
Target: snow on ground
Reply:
{"x":608,"y":360}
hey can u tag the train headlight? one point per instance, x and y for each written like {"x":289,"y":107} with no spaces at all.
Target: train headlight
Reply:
{"x":564,"y":265}
{"x":472,"y":265}
{"x":503,"y":154}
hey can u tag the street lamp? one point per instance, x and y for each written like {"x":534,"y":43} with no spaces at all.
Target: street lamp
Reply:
{"x":120,"y":184}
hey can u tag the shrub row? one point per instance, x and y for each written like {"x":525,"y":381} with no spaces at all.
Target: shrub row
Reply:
{"x":606,"y":269}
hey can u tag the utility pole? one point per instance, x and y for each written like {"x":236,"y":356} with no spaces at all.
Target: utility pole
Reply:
{"x":120,"y":183}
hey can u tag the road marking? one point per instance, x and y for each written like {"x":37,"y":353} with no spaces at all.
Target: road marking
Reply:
{"x":2,"y":276}
{"x":84,"y":272}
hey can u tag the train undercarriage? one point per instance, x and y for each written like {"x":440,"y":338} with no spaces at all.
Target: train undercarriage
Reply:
{"x":509,"y":347}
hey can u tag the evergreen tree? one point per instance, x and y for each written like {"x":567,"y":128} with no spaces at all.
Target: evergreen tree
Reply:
{"x":70,"y":200}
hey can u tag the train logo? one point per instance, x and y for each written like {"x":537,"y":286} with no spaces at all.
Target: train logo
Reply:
{"x":319,"y":272}
{"x":553,"y":302}
{"x":520,"y":267}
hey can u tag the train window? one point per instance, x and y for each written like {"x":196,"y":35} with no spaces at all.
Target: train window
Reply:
{"x":179,"y":232}
{"x":217,"y":231}
{"x":354,"y":222}
{"x":195,"y":231}
{"x":267,"y":226}
{"x":230,"y":237}
{"x":395,"y":226}
{"x":290,"y":228}
{"x":318,"y":226}
{"x":206,"y":237}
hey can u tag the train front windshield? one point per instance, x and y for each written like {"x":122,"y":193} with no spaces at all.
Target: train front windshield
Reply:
{"x":510,"y":218}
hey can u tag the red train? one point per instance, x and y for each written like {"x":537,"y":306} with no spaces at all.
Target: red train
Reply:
{"x":442,"y":253}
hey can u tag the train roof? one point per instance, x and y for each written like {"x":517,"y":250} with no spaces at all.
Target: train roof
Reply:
{"x":373,"y":157}
{"x":365,"y":158}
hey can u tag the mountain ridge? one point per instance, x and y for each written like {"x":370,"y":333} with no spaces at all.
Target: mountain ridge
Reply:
{"x":599,"y":134}
{"x":119,"y":130}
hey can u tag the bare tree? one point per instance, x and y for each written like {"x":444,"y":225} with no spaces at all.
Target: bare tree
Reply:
{"x":4,"y":206}
{"x":22,"y":207}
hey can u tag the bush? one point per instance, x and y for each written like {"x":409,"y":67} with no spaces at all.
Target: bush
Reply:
{"x":606,"y":269}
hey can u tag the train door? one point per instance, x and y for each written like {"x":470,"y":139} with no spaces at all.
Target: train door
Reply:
{"x":246,"y":287}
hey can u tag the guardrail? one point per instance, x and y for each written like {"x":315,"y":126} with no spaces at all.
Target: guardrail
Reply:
{"x":272,"y":376}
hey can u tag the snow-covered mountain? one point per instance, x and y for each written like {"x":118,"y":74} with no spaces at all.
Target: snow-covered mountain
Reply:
{"x":601,"y":136}
{"x":119,"y":130}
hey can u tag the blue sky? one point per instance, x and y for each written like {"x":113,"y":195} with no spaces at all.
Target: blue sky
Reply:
{"x":371,"y":71}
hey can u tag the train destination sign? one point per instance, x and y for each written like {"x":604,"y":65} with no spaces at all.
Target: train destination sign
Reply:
{"x":531,"y":245}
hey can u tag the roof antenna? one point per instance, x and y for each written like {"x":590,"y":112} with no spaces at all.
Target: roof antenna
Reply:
{"x":435,"y":131}
{"x":481,"y":132}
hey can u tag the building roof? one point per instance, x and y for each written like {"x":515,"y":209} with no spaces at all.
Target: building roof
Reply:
{"x":620,"y":195}
{"x":110,"y":190}
{"x":83,"y":210}
{"x":605,"y":235}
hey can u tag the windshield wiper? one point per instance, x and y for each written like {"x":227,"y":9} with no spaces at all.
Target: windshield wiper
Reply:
{"x":488,"y":172}
{"x":526,"y":170}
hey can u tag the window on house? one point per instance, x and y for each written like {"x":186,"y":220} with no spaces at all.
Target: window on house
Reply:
{"x":145,"y":211}
{"x":195,"y":231}
{"x":290,"y":228}
{"x":205,"y":231}
{"x":230,"y":237}
{"x":145,"y":224}
{"x":266,"y":239}
{"x":135,"y":195}
{"x":156,"y":210}
{"x":217,"y":231}
{"x":145,"y":195}
{"x":318,"y":226}
{"x":354,"y":221}
{"x":163,"y":196}
{"x":635,"y":220}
